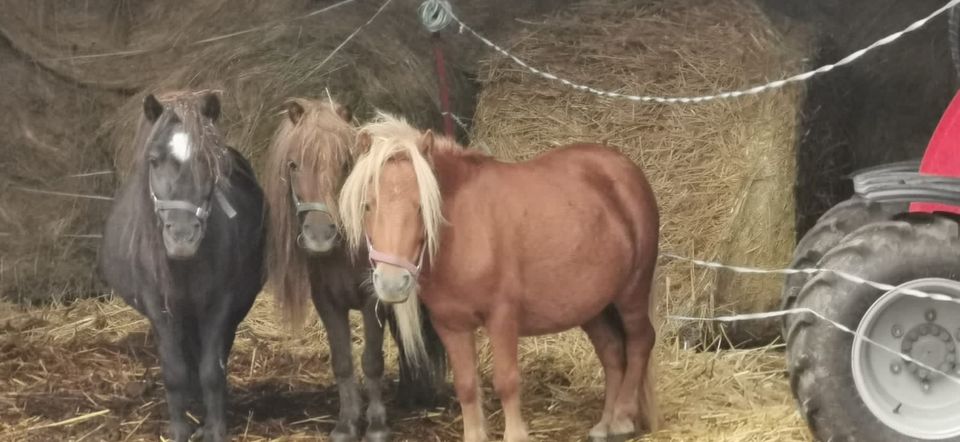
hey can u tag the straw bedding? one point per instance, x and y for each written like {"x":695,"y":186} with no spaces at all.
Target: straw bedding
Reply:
{"x":89,"y":371}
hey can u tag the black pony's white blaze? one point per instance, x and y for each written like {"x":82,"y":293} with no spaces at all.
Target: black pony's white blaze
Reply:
{"x":181,"y":147}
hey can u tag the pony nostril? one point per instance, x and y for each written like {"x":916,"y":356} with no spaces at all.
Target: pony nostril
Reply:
{"x":406,"y":280}
{"x":330,"y":230}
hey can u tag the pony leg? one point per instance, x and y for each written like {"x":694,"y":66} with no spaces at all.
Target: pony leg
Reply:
{"x":640,"y":339}
{"x":176,"y":377}
{"x":504,"y":339}
{"x":607,"y":339}
{"x":461,"y":348}
{"x":336,"y":321}
{"x":214,"y":334}
{"x":372,"y":362}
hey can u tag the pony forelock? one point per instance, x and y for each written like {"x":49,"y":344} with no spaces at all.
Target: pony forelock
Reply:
{"x":391,"y":137}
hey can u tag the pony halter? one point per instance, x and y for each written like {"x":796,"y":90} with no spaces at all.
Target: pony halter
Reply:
{"x":302,"y":207}
{"x":376,"y":256}
{"x":308,"y":206}
{"x":201,"y":212}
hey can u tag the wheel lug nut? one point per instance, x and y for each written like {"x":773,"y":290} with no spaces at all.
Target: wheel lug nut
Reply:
{"x":898,"y":331}
{"x":931,"y":315}
{"x":895,"y":368}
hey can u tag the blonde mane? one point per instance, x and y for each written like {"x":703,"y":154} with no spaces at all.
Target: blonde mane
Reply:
{"x":321,"y":143}
{"x":391,"y":137}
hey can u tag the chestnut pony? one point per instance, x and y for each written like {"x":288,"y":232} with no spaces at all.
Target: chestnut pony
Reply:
{"x":566,"y":239}
{"x":308,"y":160}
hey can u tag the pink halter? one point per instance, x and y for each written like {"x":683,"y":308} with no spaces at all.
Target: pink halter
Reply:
{"x":376,"y":256}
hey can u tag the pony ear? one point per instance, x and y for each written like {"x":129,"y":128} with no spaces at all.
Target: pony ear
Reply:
{"x":426,"y":143}
{"x":294,"y":112}
{"x":211,"y":106}
{"x":344,"y":112}
{"x":364,"y":141}
{"x":152,"y":109}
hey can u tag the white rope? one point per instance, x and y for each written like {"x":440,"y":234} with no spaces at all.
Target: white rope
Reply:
{"x":810,"y":271}
{"x":730,"y":94}
{"x":208,"y":39}
{"x":433,"y":14}
{"x":457,"y":120}
{"x":347,"y":40}
{"x":734,"y":318}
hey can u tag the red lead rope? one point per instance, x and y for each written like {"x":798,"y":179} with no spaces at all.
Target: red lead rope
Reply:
{"x":444,"y":89}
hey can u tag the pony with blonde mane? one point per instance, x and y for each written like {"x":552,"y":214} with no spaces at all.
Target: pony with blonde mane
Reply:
{"x":566,"y":239}
{"x":308,"y":159}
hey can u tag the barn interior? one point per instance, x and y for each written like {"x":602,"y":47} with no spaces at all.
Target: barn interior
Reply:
{"x":738,"y":180}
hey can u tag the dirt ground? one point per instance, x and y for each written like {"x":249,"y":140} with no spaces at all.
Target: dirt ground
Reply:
{"x":89,"y":372}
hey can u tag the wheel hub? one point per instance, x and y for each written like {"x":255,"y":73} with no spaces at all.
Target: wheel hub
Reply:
{"x":916,"y":393}
{"x":931,"y":345}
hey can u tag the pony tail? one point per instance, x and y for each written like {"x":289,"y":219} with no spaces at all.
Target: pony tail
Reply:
{"x":410,"y":326}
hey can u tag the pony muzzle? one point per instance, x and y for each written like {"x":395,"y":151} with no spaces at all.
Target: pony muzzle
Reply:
{"x":392,"y":284}
{"x":317,"y":237}
{"x":182,"y":238}
{"x":394,"y":277}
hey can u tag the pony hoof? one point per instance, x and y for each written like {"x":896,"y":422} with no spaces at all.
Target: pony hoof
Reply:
{"x":377,"y":436}
{"x":196,"y":436}
{"x":338,"y":436}
{"x":623,"y":437}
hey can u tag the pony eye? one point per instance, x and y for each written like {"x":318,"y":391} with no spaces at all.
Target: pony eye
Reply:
{"x":153,"y":161}
{"x":292,"y":165}
{"x":366,"y":207}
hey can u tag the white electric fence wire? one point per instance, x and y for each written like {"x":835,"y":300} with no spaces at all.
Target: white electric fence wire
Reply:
{"x":438,"y":8}
{"x":736,"y":318}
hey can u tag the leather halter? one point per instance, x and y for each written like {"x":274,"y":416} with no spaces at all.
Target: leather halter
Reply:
{"x":301,"y":206}
{"x":376,"y":256}
{"x":201,"y":212}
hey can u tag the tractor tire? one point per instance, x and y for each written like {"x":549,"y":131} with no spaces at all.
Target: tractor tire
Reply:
{"x":820,"y":356}
{"x":830,"y":229}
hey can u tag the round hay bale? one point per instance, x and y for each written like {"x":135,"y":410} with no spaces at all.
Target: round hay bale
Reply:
{"x":723,"y":171}
{"x":82,"y":70}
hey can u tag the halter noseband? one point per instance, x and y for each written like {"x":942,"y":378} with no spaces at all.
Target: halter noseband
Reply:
{"x":201,"y":212}
{"x":376,"y":256}
{"x":302,"y":206}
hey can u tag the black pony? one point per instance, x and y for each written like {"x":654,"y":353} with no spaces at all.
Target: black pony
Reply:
{"x":183,"y":245}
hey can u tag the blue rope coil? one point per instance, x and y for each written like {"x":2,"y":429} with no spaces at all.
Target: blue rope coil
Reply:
{"x":435,"y":14}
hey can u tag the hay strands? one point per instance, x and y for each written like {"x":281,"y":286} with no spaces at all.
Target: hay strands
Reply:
{"x":64,"y":194}
{"x":63,"y":423}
